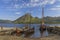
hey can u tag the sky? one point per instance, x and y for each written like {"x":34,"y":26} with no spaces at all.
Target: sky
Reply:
{"x":13,"y":9}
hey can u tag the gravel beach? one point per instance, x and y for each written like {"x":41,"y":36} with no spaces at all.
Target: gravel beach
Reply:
{"x":50,"y":37}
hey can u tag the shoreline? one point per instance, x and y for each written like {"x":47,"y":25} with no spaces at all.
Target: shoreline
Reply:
{"x":50,"y":37}
{"x":6,"y":28}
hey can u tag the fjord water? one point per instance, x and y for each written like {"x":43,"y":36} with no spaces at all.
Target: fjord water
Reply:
{"x":36,"y":33}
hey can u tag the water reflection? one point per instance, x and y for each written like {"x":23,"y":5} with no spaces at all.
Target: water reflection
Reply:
{"x":37,"y":33}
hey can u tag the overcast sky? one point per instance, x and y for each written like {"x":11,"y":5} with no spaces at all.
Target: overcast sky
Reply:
{"x":13,"y":9}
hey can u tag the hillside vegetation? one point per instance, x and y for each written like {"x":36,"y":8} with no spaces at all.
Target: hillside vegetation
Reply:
{"x":27,"y":18}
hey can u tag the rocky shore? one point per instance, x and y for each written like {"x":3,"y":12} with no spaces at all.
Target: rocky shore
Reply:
{"x":54,"y":34}
{"x":50,"y":37}
{"x":55,"y":30}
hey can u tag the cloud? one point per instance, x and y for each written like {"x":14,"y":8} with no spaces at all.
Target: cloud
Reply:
{"x":32,"y":3}
{"x":57,"y":6}
{"x":52,"y":1}
{"x":58,"y":0}
{"x":6,"y":1}
{"x":17,"y":13}
{"x":16,"y":6}
{"x":35,"y":0}
{"x":55,"y":9}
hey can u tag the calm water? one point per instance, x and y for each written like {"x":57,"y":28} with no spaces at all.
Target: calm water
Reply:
{"x":36,"y":26}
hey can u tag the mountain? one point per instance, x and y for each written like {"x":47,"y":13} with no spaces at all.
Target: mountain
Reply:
{"x":5,"y":21}
{"x":27,"y":18}
{"x":53,"y":20}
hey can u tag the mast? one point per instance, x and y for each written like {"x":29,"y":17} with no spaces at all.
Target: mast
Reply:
{"x":42,"y":27}
{"x":30,"y":16}
{"x":42,"y":15}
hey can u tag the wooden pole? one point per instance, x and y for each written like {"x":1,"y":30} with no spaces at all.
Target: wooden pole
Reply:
{"x":42,"y":23}
{"x":42,"y":15}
